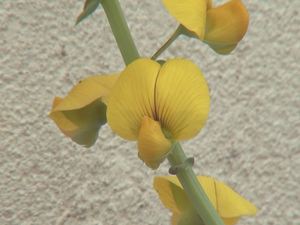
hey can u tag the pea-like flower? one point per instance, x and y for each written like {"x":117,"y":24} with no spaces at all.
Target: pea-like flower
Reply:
{"x":158,"y":105}
{"x":230,"y":205}
{"x":221,"y":28}
{"x":82,"y":112}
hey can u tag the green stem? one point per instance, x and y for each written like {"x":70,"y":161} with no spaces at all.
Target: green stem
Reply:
{"x":175,"y":35}
{"x":120,"y":30}
{"x":193,"y":188}
{"x":129,"y":53}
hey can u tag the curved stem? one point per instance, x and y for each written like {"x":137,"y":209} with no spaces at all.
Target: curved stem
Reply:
{"x":175,"y":35}
{"x":120,"y":30}
{"x":193,"y":188}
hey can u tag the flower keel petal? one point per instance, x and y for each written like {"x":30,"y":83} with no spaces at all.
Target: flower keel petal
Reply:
{"x":152,"y":144}
{"x":226,"y":25}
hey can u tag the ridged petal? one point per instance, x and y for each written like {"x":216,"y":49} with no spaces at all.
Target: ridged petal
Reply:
{"x":228,"y":203}
{"x":132,"y":98}
{"x":162,"y":185}
{"x":87,"y":91}
{"x":190,"y":13}
{"x":207,"y":184}
{"x":182,"y":99}
{"x":152,"y":143}
{"x":226,"y":25}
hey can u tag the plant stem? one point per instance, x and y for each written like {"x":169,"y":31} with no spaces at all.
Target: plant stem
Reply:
{"x":129,"y":53}
{"x":193,"y":188}
{"x":175,"y":35}
{"x":120,"y":30}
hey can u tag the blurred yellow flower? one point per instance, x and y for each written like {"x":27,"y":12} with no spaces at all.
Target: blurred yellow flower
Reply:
{"x":221,"y":28}
{"x":82,"y":112}
{"x":158,"y":105}
{"x":230,"y":206}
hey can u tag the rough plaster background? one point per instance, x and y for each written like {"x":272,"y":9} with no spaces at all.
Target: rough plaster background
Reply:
{"x":251,"y":140}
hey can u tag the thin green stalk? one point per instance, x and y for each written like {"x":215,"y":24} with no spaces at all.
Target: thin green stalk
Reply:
{"x":193,"y":188}
{"x":120,"y":30}
{"x":129,"y":53}
{"x":175,"y":35}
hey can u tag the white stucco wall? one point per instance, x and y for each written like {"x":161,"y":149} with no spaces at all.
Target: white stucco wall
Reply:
{"x":251,"y":140}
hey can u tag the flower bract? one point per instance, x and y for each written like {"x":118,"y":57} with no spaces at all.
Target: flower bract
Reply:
{"x":158,"y":105}
{"x":82,"y":112}
{"x":230,"y":206}
{"x":222,"y":28}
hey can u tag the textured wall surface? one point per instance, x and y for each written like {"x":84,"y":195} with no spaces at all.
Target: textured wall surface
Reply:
{"x":250,"y":142}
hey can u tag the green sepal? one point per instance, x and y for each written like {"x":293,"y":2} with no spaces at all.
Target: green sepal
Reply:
{"x":89,"y":7}
{"x":89,"y":119}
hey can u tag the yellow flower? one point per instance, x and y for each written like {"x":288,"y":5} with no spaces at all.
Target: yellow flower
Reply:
{"x":158,"y":105}
{"x":82,"y":112}
{"x":221,"y":27}
{"x":230,"y":206}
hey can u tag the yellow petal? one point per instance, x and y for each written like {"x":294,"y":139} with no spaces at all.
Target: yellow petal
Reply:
{"x":82,"y":112}
{"x":82,"y":125}
{"x":230,"y":204}
{"x":182,"y":99}
{"x":87,"y":91}
{"x":132,"y":98}
{"x":190,"y":13}
{"x":63,"y":123}
{"x":86,"y":136}
{"x":226,"y":25}
{"x":56,"y":101}
{"x":172,"y":195}
{"x":208,"y":185}
{"x":231,"y":221}
{"x":175,"y":218}
{"x":152,"y":143}
{"x":222,"y":48}
{"x":190,"y":218}
{"x":209,"y":4}
{"x":162,"y":186}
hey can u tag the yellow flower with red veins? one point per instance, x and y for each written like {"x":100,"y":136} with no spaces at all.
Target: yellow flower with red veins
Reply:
{"x":158,"y":105}
{"x":222,"y":28}
{"x":82,"y":112}
{"x":229,"y":205}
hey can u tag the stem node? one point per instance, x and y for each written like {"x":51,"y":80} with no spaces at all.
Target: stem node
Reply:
{"x":189,"y":162}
